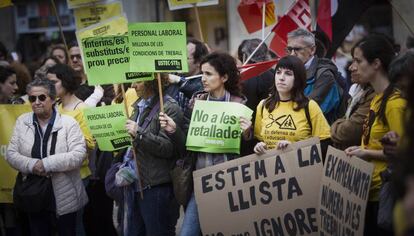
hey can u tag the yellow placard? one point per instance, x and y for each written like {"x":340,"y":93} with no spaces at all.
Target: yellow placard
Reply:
{"x":5,"y":3}
{"x":181,"y":4}
{"x":86,"y":16}
{"x":80,"y":3}
{"x":8,"y":116}
{"x":114,"y":26}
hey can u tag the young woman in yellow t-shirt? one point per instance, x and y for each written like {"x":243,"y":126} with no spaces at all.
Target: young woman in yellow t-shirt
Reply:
{"x":287,"y":115}
{"x":371,"y":59}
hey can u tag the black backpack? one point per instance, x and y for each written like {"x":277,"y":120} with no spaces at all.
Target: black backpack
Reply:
{"x":324,"y":65}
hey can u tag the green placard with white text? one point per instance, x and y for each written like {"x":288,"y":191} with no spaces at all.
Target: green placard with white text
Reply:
{"x":158,"y":47}
{"x":215,"y":127}
{"x":107,"y":125}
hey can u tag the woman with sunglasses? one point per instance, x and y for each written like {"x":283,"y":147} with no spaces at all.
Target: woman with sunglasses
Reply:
{"x":287,"y":116}
{"x":371,"y":59}
{"x":47,"y":149}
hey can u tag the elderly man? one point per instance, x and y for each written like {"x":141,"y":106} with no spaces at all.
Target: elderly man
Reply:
{"x":47,"y":149}
{"x":322,"y":85}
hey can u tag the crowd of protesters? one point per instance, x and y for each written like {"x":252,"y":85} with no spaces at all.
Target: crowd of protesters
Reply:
{"x":370,"y":119}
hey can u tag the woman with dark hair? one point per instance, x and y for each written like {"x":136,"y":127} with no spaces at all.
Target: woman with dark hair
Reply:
{"x":287,"y":115}
{"x":371,"y":59}
{"x":66,"y":82}
{"x":8,"y":84}
{"x":221,"y":82}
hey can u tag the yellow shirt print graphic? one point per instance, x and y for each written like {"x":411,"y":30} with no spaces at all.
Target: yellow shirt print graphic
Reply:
{"x":283,"y":121}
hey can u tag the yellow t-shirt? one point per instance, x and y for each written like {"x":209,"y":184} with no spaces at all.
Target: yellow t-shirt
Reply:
{"x":130,"y":97}
{"x":372,"y":134}
{"x":77,"y":114}
{"x":283,"y":123}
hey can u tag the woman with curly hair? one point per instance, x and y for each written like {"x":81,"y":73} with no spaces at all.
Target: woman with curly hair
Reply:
{"x":221,"y":83}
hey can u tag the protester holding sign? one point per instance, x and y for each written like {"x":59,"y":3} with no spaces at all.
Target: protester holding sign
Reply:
{"x":371,"y":58}
{"x":221,"y":82}
{"x":47,"y":149}
{"x":155,"y":156}
{"x":287,"y":115}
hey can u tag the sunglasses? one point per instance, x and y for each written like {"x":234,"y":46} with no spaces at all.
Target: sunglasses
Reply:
{"x":41,"y":98}
{"x":77,"y":56}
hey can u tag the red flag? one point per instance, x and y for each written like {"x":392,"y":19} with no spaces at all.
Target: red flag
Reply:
{"x":256,"y":69}
{"x":324,"y":18}
{"x":250,"y":12}
{"x":298,"y":17}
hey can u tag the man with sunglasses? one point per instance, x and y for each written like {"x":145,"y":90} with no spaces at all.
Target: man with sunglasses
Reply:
{"x":48,"y":148}
{"x":323,"y":82}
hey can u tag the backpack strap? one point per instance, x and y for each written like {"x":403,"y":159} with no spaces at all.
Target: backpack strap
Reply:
{"x":152,"y":113}
{"x":308,"y":117}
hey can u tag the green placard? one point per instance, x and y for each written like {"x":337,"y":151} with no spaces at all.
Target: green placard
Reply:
{"x":107,"y":125}
{"x":158,"y":47}
{"x":215,"y":127}
{"x":107,"y":61}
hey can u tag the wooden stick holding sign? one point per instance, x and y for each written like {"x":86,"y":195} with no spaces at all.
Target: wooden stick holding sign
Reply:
{"x":160,"y":92}
{"x":200,"y":30}
{"x":263,"y":20}
{"x":134,"y":154}
{"x":61,"y":30}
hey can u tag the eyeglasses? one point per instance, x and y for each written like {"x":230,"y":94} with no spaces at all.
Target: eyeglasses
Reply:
{"x":77,"y":56}
{"x":41,"y":97}
{"x":295,"y":49}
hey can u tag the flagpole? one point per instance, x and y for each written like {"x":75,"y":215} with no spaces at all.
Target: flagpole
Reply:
{"x":257,"y":48}
{"x":401,"y":17}
{"x":313,"y":7}
{"x":263,"y":20}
